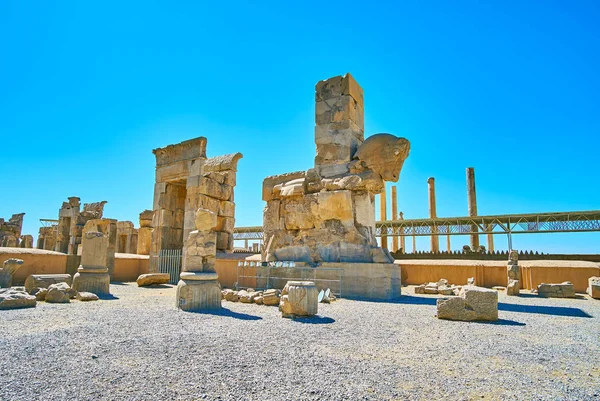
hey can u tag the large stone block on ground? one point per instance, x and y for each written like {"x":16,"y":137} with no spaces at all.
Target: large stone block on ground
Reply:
{"x":8,"y":269}
{"x":562,"y":290}
{"x":11,"y":298}
{"x":58,"y":293}
{"x":594,"y":287}
{"x":149,"y":279}
{"x":298,"y":299}
{"x":34,"y":281}
{"x":198,"y":292}
{"x":473,"y":303}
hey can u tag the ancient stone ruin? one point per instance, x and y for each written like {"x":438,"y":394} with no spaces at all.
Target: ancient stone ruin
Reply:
{"x":327,"y":213}
{"x":514,"y":274}
{"x":9,"y":267}
{"x":473,"y":303}
{"x":47,"y":237}
{"x":198,"y":288}
{"x":127,"y":237}
{"x":71,"y":222}
{"x":145,"y":233}
{"x":10,"y":231}
{"x":92,"y":276}
{"x":187,"y":180}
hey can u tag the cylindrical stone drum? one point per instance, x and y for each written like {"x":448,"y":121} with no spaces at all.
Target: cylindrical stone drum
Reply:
{"x":299,"y":298}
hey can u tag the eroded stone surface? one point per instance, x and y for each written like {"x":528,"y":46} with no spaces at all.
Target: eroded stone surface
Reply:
{"x":58,"y":293}
{"x":299,"y":298}
{"x":562,"y":290}
{"x":11,"y":298}
{"x":9,"y":267}
{"x":473,"y":303}
{"x":594,"y":287}
{"x":149,"y":279}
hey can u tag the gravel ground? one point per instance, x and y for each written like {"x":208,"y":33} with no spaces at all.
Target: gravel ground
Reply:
{"x":139,"y":347}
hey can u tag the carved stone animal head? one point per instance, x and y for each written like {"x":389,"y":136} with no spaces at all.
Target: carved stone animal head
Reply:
{"x":384,"y":154}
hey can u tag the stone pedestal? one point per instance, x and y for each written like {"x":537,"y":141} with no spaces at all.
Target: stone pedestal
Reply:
{"x":94,"y":279}
{"x":298,"y":299}
{"x":198,"y":291}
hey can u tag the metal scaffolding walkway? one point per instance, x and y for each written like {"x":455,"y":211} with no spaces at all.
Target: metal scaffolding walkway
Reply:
{"x":534,"y":223}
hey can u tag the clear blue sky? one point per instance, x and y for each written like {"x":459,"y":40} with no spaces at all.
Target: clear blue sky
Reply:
{"x":88,"y":89}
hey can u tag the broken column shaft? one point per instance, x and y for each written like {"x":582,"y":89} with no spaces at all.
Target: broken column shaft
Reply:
{"x":472,"y":199}
{"x":435,"y":243}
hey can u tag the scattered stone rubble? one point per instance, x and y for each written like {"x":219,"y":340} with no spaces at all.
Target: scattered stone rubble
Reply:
{"x":594,"y":287}
{"x":146,"y":280}
{"x":473,"y":303}
{"x":60,"y":292}
{"x":15,"y":298}
{"x":268,"y":297}
{"x":441,"y":287}
{"x":563,"y":290}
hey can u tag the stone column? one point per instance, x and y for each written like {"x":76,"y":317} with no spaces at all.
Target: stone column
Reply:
{"x":435,"y":242}
{"x":108,"y":227}
{"x":198,"y":288}
{"x":402,"y":238}
{"x":514,"y":274}
{"x":92,"y":275}
{"x":144,"y":240}
{"x":490,"y":239}
{"x":9,"y":267}
{"x":448,"y":240}
{"x":339,"y":129}
{"x":394,"y":217}
{"x":472,"y":198}
{"x":383,"y":216}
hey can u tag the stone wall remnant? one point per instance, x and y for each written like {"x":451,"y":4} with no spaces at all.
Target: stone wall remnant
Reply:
{"x":10,"y":231}
{"x":187,"y":180}
{"x":562,"y":290}
{"x":145,"y":233}
{"x":327,"y":213}
{"x":127,"y":237}
{"x":47,"y":237}
{"x":71,"y":221}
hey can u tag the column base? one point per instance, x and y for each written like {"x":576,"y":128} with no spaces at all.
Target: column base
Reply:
{"x":197,"y":291}
{"x":96,"y":281}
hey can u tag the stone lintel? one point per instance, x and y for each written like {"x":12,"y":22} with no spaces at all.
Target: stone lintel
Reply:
{"x":186,"y":150}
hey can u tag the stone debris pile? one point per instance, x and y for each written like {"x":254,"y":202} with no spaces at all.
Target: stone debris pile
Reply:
{"x":441,"y":287}
{"x":563,"y":290}
{"x":22,"y":297}
{"x":15,"y":298}
{"x":268,"y":297}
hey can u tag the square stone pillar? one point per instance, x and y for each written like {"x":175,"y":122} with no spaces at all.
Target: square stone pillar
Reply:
{"x":339,"y":124}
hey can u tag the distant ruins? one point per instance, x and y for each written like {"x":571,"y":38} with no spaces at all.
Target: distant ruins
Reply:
{"x":10,"y":231}
{"x":327,"y":214}
{"x":71,"y":222}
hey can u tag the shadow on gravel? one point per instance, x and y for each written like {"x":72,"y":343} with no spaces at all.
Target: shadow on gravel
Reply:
{"x":229,"y":313}
{"x":107,"y":297}
{"x":408,"y":300}
{"x":501,"y":322}
{"x":157,"y":286}
{"x":118,"y":283}
{"x":314,"y":320}
{"x":544,"y":310}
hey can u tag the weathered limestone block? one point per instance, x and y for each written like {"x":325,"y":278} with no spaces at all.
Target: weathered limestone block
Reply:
{"x":11,"y":298}
{"x":26,"y":241}
{"x":513,"y":287}
{"x":40,"y":294}
{"x":9,"y":267}
{"x":225,"y":224}
{"x":226,"y":209}
{"x":210,"y":187}
{"x":563,"y":290}
{"x":58,"y":293}
{"x":271,"y":297}
{"x":473,"y":303}
{"x":35,"y":281}
{"x":594,"y":287}
{"x":145,"y":280}
{"x":299,"y":298}
{"x":270,"y":183}
{"x":92,"y":276}
{"x":384,"y":154}
{"x":86,"y":296}
{"x":197,"y":291}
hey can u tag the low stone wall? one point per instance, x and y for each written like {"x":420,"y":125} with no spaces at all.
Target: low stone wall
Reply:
{"x":493,"y":273}
{"x":38,"y":261}
{"x":486,"y":273}
{"x":35,"y":261}
{"x":129,"y":266}
{"x":359,"y":280}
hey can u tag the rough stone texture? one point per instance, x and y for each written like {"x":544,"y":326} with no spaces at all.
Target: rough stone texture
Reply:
{"x":271,"y":297}
{"x":326,"y":214}
{"x":26,"y":241}
{"x":473,"y":303}
{"x":563,"y":290}
{"x":149,"y":279}
{"x":72,"y":221}
{"x":40,"y":294}
{"x":299,"y":299}
{"x":10,"y":231}
{"x":93,"y":274}
{"x":36,"y":281}
{"x":513,"y":287}
{"x":186,"y":180}
{"x":86,"y":296}
{"x":9,"y":267}
{"x":58,"y":293}
{"x":594,"y":287}
{"x":11,"y":298}
{"x":198,"y":288}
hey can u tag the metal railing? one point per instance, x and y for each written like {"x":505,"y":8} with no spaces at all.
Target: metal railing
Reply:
{"x":167,"y":261}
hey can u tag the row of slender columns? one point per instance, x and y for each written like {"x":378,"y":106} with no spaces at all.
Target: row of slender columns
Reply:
{"x":435,"y":245}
